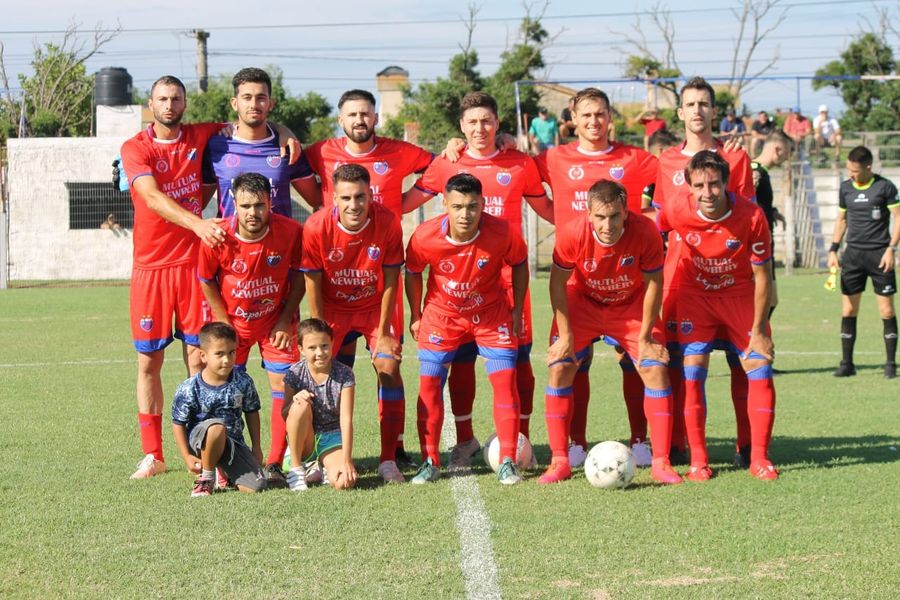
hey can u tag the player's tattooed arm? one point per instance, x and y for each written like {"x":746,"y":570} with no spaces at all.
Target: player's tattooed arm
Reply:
{"x":281,"y":334}
{"x":181,"y":440}
{"x":208,"y":230}
{"x":564,"y":346}
{"x":760,"y":341}
{"x":413,"y":285}
{"x":213,"y":295}
{"x":314,"y":293}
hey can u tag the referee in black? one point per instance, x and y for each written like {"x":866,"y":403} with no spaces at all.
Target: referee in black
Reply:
{"x":866,"y":202}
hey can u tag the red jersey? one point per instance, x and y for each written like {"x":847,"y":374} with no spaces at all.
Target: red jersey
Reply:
{"x":717,"y":255}
{"x":609,"y":274}
{"x":571,"y":172}
{"x":388,"y":163}
{"x":465,"y":277}
{"x":253,"y":275}
{"x":505,"y":178}
{"x":177,"y":166}
{"x":351,"y":262}
{"x":670,"y":180}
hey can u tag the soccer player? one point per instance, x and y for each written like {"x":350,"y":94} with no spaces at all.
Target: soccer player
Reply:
{"x":253,"y":282}
{"x":775,"y":150}
{"x":254,"y":147}
{"x":466,"y":250}
{"x":570,"y":170}
{"x":724,"y":291}
{"x":697,"y":111}
{"x":506,"y":178}
{"x":617,"y":258}
{"x":352,"y":254}
{"x":866,"y":202}
{"x":206,"y":417}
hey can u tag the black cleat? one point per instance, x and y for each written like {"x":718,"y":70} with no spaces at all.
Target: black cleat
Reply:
{"x":845,"y":370}
{"x":678,"y":458}
{"x":890,"y":370}
{"x":404,"y":462}
{"x":274,"y":476}
{"x":742,"y":457}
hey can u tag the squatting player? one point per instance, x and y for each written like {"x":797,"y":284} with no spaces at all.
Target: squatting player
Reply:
{"x":253,"y":282}
{"x":617,"y":258}
{"x":723,"y":295}
{"x":352,"y":254}
{"x":466,"y":251}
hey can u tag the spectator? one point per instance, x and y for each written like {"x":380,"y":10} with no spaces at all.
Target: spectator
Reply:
{"x":111,"y":223}
{"x":652,"y":123}
{"x":763,"y":126}
{"x":798,"y":128}
{"x":544,"y":132}
{"x":731,"y":124}
{"x":567,"y":121}
{"x":827,"y":133}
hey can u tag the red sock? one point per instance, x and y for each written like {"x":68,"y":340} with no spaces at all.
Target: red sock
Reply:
{"x":461,"y":384}
{"x":695,"y":413}
{"x":658,"y":407}
{"x":633,"y":392}
{"x":739,"y":399}
{"x":581,"y":395}
{"x":391,"y":415}
{"x":278,"y":442}
{"x":761,"y":410}
{"x":506,"y":407}
{"x":525,"y":386}
{"x":430,"y":408}
{"x":558,"y":412}
{"x":676,"y":379}
{"x":151,"y":434}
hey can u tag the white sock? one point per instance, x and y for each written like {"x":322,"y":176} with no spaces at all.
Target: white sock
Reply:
{"x":211,"y":475}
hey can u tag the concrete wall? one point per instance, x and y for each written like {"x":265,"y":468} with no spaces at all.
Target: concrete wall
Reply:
{"x":40,"y":242}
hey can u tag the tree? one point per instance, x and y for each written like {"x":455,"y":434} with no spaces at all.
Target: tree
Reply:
{"x":871,"y":105}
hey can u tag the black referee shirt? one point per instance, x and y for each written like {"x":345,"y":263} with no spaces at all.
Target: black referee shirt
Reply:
{"x":867,"y":209}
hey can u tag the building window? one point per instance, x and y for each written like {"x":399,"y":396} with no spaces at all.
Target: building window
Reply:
{"x":92,"y":203}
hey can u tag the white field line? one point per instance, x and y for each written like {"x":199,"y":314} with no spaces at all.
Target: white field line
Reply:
{"x":476,"y":550}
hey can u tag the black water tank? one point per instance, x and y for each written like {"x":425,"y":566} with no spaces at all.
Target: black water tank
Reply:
{"x":112,"y":87}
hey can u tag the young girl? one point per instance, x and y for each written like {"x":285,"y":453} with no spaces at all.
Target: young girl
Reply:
{"x":319,"y":419}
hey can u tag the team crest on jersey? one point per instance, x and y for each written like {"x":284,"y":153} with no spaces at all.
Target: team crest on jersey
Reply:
{"x":576,"y":173}
{"x":239,"y":266}
{"x":273,"y":260}
{"x":678,"y":178}
{"x":446,"y":266}
{"x":162,"y":166}
{"x":380,"y":167}
{"x":192,"y":154}
{"x":617,"y":172}
{"x":273,"y":161}
{"x":231,"y":160}
{"x":732,"y":243}
{"x":692,"y":238}
{"x":373,"y":251}
{"x":435,"y":338}
{"x":504,"y":177}
{"x":686,"y":326}
{"x":336,"y":255}
{"x":627,"y":260}
{"x":590,"y":265}
{"x":482,"y":262}
{"x":146,"y":323}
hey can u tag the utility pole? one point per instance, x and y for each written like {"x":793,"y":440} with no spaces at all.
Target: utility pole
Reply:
{"x":202,"y":76}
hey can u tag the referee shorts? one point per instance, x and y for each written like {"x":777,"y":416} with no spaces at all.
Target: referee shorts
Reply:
{"x":858,"y":265}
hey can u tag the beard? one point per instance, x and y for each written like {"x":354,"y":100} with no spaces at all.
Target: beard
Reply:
{"x":168,"y":121}
{"x":358,"y":136}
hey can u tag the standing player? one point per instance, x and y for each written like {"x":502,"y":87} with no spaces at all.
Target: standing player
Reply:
{"x":352,"y":254}
{"x":252,"y":281}
{"x":506,"y":178}
{"x":617,"y":258}
{"x":724,"y":286}
{"x":466,"y":251}
{"x":164,"y":166}
{"x":867,"y":202}
{"x":570,"y":171}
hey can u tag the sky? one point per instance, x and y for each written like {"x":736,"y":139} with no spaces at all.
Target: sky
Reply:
{"x":333,"y":46}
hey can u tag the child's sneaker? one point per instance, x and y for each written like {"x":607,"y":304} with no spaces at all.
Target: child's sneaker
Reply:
{"x":577,"y":455}
{"x":296,"y":479}
{"x":390,"y":473}
{"x":508,"y":474}
{"x":274,"y":476}
{"x":661,"y":470}
{"x":202,"y":487}
{"x":764,"y":470}
{"x":462,"y":453}
{"x":148,"y":467}
{"x":221,"y":480}
{"x":559,"y":470}
{"x":642,"y":455}
{"x":427,"y":473}
{"x":700,"y":473}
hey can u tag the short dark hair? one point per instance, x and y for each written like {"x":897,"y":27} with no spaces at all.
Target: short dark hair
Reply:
{"x":592,"y":93}
{"x":607,"y":192}
{"x":463,"y":183}
{"x":707,"y":160}
{"x":168,"y":80}
{"x":477,"y":100}
{"x":662,"y":137}
{"x":253,"y":183}
{"x":698,"y":83}
{"x":780,"y":138}
{"x":313,"y":326}
{"x":861,"y":155}
{"x":216,"y":331}
{"x":251,"y":75}
{"x":351,"y":173}
{"x":356,"y":95}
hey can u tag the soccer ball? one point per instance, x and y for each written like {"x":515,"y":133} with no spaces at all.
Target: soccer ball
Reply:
{"x":609,"y":465}
{"x":491,"y":452}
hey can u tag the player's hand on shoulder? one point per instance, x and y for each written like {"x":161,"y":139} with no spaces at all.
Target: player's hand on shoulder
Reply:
{"x":210,"y":232}
{"x":454,"y":149}
{"x":506,"y":141}
{"x":291,"y":149}
{"x":733,"y":143}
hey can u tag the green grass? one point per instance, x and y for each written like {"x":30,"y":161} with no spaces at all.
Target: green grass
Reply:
{"x":73,"y":525}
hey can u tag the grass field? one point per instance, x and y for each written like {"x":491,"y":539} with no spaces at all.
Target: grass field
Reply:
{"x":73,"y":525}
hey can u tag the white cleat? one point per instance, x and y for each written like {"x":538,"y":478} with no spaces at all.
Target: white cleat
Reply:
{"x":148,"y":467}
{"x":390,"y":473}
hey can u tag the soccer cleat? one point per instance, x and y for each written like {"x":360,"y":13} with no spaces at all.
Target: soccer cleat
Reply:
{"x":313,"y":472}
{"x":764,"y":470}
{"x":845,"y":369}
{"x":661,"y":470}
{"x":274,"y":476}
{"x":221,"y":480}
{"x":559,"y":470}
{"x":403,"y":460}
{"x":148,"y":467}
{"x":678,"y":457}
{"x":390,"y":473}
{"x":296,"y":479}
{"x":742,"y":457}
{"x":426,"y":473}
{"x":642,"y":455}
{"x":462,"y":453}
{"x":890,"y":370}
{"x":577,"y":455}
{"x":700,"y":473}
{"x":202,"y":487}
{"x":508,"y":474}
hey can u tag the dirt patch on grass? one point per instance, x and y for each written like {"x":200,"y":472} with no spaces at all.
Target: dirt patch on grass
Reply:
{"x":686,"y":580}
{"x":566,"y":584}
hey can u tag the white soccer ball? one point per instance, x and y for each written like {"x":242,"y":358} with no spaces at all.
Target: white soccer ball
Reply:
{"x":609,"y":465}
{"x":491,"y":452}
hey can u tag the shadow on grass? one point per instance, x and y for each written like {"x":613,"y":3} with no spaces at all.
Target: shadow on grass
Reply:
{"x":830,"y":369}
{"x":796,"y":453}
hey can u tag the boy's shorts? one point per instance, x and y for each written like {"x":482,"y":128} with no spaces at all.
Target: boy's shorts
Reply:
{"x":156,"y":295}
{"x":237,"y":461}
{"x":325,"y":443}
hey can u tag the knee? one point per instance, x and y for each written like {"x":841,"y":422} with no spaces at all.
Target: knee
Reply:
{"x":562,"y":374}
{"x":297,"y":410}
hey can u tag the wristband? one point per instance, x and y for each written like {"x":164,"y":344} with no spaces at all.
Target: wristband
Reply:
{"x":835,"y":246}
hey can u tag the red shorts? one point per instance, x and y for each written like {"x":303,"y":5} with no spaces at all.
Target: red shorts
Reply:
{"x":706,"y":323}
{"x":157,"y":294}
{"x":363,"y":323}
{"x":397,"y":324}
{"x":440,"y":335}
{"x":273,"y":359}
{"x":620,"y":324}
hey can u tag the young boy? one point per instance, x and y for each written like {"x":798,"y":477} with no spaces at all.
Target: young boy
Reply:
{"x":206,"y":417}
{"x":319,"y":419}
